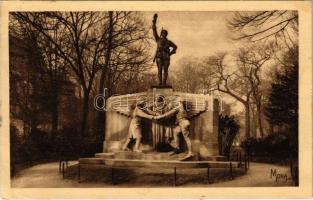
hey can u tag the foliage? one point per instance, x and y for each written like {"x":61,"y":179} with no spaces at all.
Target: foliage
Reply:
{"x":29,"y":91}
{"x":64,"y":144}
{"x":282,"y":105}
{"x":273,"y":145}
{"x":228,"y":129}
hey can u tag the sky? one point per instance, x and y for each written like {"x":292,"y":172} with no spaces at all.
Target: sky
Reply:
{"x":196,"y":33}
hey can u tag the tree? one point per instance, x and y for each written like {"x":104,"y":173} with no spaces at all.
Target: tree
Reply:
{"x":251,"y":60}
{"x":132,"y":82}
{"x":278,"y":25}
{"x":228,"y":129}
{"x":28,"y":83}
{"x":282,"y":105}
{"x":186,"y":79}
{"x":57,"y":78}
{"x":80,"y":44}
{"x":232,"y":82}
{"x":85,"y":43}
{"x":125,"y":55}
{"x":130,"y":53}
{"x":193,"y":76}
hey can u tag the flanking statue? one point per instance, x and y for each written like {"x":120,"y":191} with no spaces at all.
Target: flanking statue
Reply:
{"x":165,"y":48}
{"x":135,"y":127}
{"x":181,"y":125}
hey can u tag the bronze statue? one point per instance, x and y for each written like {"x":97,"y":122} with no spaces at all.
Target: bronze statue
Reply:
{"x":182,"y":125}
{"x":135,"y":131}
{"x":163,"y":52}
{"x":169,"y":120}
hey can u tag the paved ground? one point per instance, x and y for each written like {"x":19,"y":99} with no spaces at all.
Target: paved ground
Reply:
{"x":47,"y":175}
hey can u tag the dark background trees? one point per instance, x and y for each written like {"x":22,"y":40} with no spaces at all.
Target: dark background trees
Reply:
{"x":89,"y":42}
{"x":58,"y":62}
{"x":282,"y":105}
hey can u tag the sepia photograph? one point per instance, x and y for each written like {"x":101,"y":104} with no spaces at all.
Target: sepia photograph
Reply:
{"x":123,"y":98}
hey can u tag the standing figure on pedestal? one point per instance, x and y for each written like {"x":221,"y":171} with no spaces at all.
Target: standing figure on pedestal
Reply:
{"x":163,"y":52}
{"x":135,"y":127}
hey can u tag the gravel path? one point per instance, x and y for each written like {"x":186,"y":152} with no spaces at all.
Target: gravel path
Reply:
{"x":47,"y":176}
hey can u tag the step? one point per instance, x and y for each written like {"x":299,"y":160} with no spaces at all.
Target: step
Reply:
{"x":157,"y":163}
{"x":142,"y":156}
{"x":104,"y":155}
{"x":154,"y":156}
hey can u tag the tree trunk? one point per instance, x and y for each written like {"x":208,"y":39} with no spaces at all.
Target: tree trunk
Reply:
{"x":271,"y":127}
{"x":100,"y":120}
{"x":55,"y":119}
{"x":253,"y":125}
{"x":24,"y":129}
{"x":55,"y":85}
{"x":55,"y":114}
{"x":247,"y":120}
{"x":85,"y":113}
{"x":260,"y":120}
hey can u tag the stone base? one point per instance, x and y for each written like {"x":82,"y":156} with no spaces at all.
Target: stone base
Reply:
{"x":126,"y":163}
{"x":160,"y":86}
{"x":116,"y":146}
{"x":152,"y":155}
{"x":161,"y":90}
{"x":202,"y":150}
{"x":144,"y":156}
{"x":208,"y":149}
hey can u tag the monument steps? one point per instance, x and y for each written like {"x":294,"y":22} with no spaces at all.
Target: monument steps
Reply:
{"x":165,"y":156}
{"x":125,"y":163}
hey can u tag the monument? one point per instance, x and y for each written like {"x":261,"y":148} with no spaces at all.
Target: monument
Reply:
{"x":160,"y":120}
{"x":161,"y":127}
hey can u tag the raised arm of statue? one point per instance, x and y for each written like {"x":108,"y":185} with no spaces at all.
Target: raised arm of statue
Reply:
{"x":154,"y":28}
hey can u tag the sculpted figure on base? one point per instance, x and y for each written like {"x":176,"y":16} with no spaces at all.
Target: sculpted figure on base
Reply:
{"x":181,"y":125}
{"x":134,"y":131}
{"x":165,"y":48}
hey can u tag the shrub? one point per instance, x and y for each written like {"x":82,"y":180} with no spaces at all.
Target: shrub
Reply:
{"x":228,"y":129}
{"x":273,"y":145}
